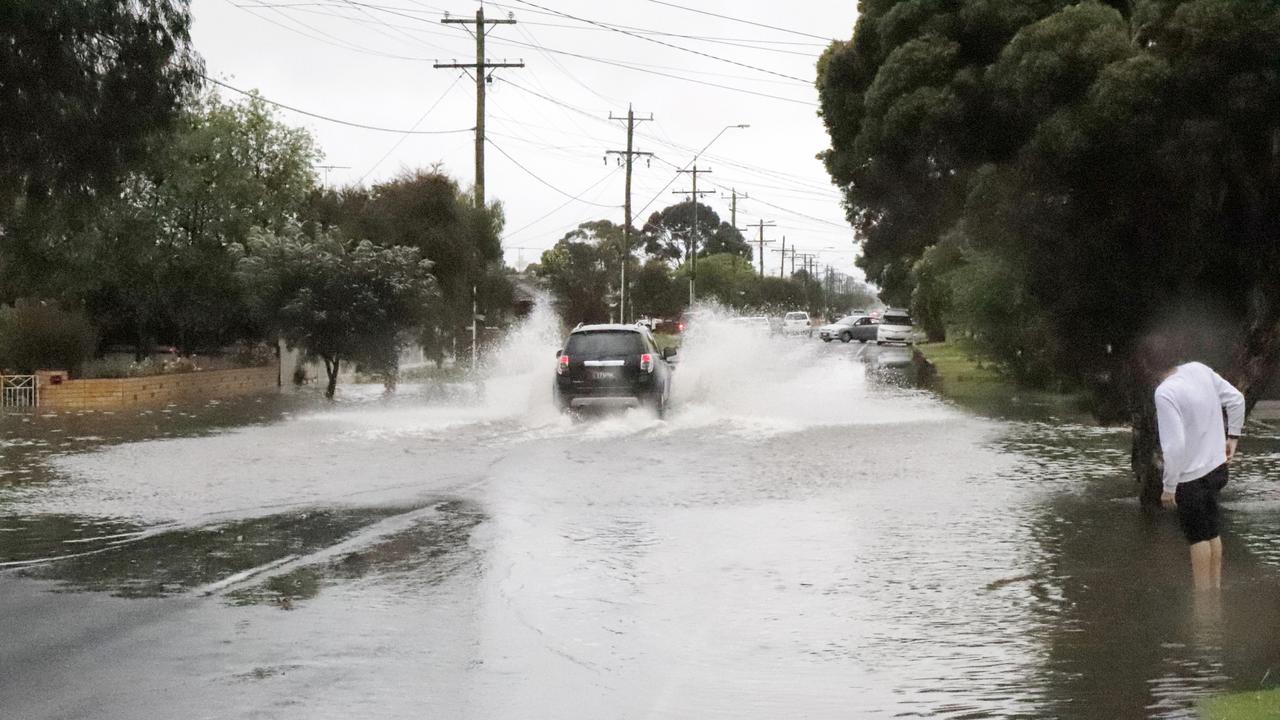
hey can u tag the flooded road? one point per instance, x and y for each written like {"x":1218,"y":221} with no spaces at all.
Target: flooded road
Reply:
{"x":803,"y":536}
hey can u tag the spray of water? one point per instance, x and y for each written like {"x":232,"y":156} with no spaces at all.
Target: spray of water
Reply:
{"x":730,"y":376}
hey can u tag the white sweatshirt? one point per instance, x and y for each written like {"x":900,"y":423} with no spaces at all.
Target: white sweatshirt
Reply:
{"x":1189,"y":405}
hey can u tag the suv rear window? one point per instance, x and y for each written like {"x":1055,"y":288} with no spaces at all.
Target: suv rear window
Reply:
{"x":896,"y":320}
{"x":604,"y":343}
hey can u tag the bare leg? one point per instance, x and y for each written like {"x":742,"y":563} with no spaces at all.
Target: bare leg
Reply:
{"x":1215,"y":550}
{"x":1202,"y":565}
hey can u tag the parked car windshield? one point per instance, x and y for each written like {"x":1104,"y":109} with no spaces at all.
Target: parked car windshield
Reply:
{"x":604,"y":343}
{"x":850,"y":320}
{"x":896,"y":320}
{"x":797,"y":316}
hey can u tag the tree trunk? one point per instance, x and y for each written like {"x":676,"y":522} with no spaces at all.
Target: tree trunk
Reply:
{"x":1256,"y":359}
{"x":1145,"y":458}
{"x":331,"y":366}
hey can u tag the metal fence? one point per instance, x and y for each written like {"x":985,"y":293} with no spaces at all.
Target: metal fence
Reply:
{"x":18,"y":391}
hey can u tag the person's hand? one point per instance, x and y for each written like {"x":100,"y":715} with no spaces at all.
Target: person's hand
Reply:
{"x":1169,"y":500}
{"x":1231,"y":448}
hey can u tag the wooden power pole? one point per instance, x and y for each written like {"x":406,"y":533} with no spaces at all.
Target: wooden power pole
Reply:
{"x":762,"y":242}
{"x":733,"y":205}
{"x":481,"y":68}
{"x":629,"y":154}
{"x":693,"y":240}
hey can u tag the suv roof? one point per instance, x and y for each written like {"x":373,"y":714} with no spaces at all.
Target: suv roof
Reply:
{"x":610,"y":327}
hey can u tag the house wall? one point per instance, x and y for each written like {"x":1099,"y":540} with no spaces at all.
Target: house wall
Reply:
{"x":115,"y":393}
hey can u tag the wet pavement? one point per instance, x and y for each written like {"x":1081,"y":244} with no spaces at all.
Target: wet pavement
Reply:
{"x":806,"y":535}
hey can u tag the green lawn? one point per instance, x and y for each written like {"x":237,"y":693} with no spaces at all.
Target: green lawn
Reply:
{"x":1260,"y":705}
{"x":970,"y":381}
{"x":961,"y":376}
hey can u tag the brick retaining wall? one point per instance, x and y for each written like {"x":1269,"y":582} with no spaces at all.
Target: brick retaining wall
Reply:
{"x":116,"y":393}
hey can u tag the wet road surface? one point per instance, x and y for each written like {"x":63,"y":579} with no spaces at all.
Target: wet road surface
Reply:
{"x":804,"y":536}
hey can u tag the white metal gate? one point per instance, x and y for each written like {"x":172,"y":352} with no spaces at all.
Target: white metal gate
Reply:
{"x":18,"y":391}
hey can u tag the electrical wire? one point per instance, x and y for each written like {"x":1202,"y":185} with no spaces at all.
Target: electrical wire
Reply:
{"x":746,"y":43}
{"x":665,"y":44}
{"x":740,"y":20}
{"x":537,"y":177}
{"x":415,"y":127}
{"x":335,"y":42}
{"x":594,"y":185}
{"x":326,"y":118}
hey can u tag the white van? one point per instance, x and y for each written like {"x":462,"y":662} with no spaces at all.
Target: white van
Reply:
{"x":896,"y":327}
{"x":797,"y":323}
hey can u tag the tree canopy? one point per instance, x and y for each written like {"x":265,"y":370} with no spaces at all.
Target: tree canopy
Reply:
{"x":84,"y":85}
{"x":336,"y":301}
{"x":669,"y":232}
{"x":1093,"y":169}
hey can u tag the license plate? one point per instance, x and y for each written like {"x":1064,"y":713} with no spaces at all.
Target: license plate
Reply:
{"x":602,"y":375}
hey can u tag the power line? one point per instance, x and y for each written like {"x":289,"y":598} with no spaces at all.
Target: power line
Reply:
{"x":326,"y":118}
{"x":594,"y":185}
{"x":335,"y":42}
{"x":748,"y":43}
{"x":415,"y":127}
{"x":740,"y":20}
{"x":666,"y":44}
{"x":537,"y":177}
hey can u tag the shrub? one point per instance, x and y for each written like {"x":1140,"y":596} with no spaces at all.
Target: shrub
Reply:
{"x":38,"y":335}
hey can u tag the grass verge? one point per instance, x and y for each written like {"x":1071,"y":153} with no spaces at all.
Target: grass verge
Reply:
{"x":969,"y":381}
{"x":1258,"y":705}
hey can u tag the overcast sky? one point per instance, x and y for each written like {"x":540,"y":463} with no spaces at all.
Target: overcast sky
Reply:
{"x":370,"y":62}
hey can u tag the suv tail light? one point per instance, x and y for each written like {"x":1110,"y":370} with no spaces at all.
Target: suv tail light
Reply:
{"x":562,"y":365}
{"x":646,"y":363}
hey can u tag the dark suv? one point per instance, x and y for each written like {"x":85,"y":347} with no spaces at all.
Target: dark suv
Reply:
{"x":612,"y":365}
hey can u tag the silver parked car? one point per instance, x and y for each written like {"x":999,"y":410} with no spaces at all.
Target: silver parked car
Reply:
{"x":851,"y":327}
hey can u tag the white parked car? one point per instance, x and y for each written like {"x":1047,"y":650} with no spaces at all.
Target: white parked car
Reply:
{"x":896,"y":327}
{"x":758,"y":323}
{"x":797,"y":323}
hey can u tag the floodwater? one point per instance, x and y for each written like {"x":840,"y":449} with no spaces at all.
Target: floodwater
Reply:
{"x":804,"y":536}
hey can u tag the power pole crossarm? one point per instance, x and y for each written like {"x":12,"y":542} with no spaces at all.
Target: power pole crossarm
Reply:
{"x":481,"y":67}
{"x":762,"y":242}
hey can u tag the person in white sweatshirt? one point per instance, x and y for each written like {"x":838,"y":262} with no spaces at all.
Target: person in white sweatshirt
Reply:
{"x":1191,"y":400}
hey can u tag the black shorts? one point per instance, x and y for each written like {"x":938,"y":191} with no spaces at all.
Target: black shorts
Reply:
{"x":1198,"y":506}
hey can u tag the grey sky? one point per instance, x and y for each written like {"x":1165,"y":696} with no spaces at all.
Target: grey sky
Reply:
{"x":370,"y":62}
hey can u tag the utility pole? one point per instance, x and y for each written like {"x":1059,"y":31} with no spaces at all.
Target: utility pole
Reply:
{"x":762,"y":242}
{"x":629,"y":154}
{"x":481,"y":67}
{"x":733,"y":205}
{"x":693,"y":240}
{"x":793,"y":260}
{"x":782,"y":258}
{"x":806,"y":259}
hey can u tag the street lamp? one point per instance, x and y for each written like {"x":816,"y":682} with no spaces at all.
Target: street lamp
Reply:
{"x":693,"y":242}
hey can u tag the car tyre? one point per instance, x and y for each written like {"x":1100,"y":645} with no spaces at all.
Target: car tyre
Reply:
{"x":826,"y":339}
{"x":845,"y":337}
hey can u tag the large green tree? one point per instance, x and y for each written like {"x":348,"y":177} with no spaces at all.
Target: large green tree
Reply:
{"x":83,"y":85}
{"x":673,"y":232}
{"x":154,"y":265}
{"x":1111,"y":169}
{"x":426,"y":209}
{"x":335,"y":300}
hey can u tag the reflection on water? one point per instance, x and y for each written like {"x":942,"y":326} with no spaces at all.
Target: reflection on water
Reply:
{"x":805,"y":535}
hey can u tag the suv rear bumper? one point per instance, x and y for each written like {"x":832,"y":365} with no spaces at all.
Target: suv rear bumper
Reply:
{"x":603,"y":401}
